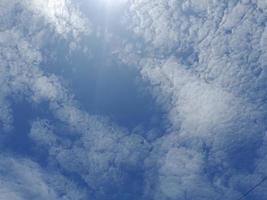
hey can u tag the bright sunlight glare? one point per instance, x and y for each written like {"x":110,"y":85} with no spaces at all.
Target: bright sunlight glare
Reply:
{"x":113,"y":3}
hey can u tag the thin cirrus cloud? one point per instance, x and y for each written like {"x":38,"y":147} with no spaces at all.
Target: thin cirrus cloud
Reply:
{"x":205,"y":63}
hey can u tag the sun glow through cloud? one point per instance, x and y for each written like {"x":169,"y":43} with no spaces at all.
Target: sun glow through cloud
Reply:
{"x":133,"y":99}
{"x":113,"y":3}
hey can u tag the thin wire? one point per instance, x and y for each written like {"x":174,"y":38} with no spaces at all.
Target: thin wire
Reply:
{"x":253,"y":188}
{"x":231,"y":146}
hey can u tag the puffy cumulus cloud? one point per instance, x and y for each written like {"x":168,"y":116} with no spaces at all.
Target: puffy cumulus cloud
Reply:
{"x":20,"y":75}
{"x":23,"y":31}
{"x":60,"y":14}
{"x":100,"y":154}
{"x":197,"y":31}
{"x":103,"y":156}
{"x":186,"y":168}
{"x":14,"y":57}
{"x":42,"y":21}
{"x":91,"y":153}
{"x":6,"y":117}
{"x":47,"y":88}
{"x":24,"y":179}
{"x":206,"y":63}
{"x":195,"y":105}
{"x":180,"y":170}
{"x":167,"y":24}
{"x":42,"y":133}
{"x":262,"y":4}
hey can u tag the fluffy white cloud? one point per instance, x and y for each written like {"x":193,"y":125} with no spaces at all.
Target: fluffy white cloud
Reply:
{"x":167,"y":25}
{"x":205,"y":61}
{"x":6,"y":116}
{"x":24,"y":179}
{"x":24,"y":29}
{"x":94,"y":150}
{"x":60,"y":14}
{"x":195,"y":105}
{"x":40,"y":22}
{"x":102,"y":155}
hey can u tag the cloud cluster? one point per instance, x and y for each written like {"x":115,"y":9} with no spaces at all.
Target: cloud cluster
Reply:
{"x":24,"y":179}
{"x":24,"y":31}
{"x":206,"y":62}
{"x":91,"y":157}
{"x":103,"y":157}
{"x":60,"y":14}
{"x":206,"y":65}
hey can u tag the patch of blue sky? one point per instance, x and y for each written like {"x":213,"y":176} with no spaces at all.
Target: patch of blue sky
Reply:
{"x":103,"y":85}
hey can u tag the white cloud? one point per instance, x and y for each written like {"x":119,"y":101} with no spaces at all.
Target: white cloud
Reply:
{"x":24,"y":179}
{"x":6,"y":116}
{"x":205,"y":62}
{"x":93,"y":149}
{"x":61,"y":14}
{"x":42,"y":21}
{"x":99,"y":149}
{"x":100,"y":156}
{"x":194,"y":105}
{"x":213,"y":87}
{"x":168,"y":25}
{"x":262,"y":4}
{"x":24,"y":29}
{"x":46,"y":88}
{"x":42,"y":133}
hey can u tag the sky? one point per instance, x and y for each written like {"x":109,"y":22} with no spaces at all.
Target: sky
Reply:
{"x":133,"y":99}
